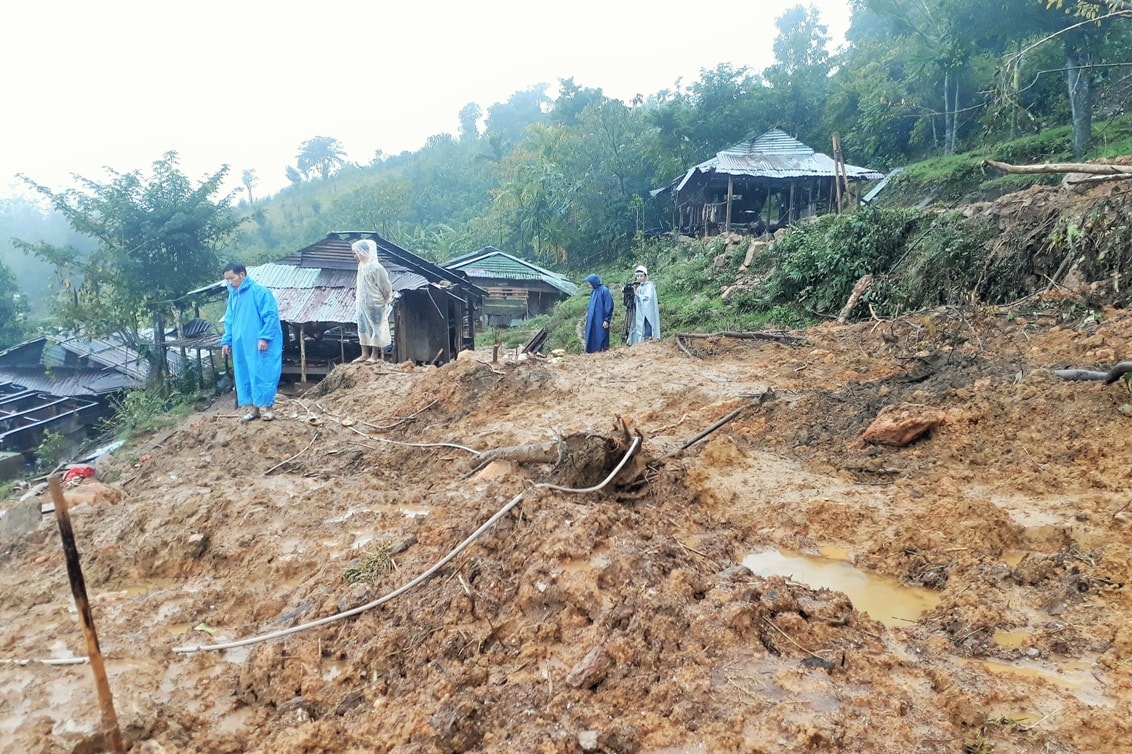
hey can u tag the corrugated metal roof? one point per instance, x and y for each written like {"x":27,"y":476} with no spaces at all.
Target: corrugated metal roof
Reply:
{"x":775,"y":154}
{"x":107,"y":353}
{"x":334,"y":252}
{"x":312,"y":294}
{"x":491,"y":263}
{"x":97,"y":365}
{"x":51,"y":351}
{"x":316,"y":283}
{"x":284,"y":276}
{"x":66,"y":382}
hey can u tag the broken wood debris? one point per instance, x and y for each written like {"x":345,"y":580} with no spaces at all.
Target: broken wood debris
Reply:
{"x":777,"y":337}
{"x":111,"y":734}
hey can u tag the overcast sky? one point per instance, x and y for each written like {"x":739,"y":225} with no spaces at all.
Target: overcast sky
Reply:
{"x":118,"y":83}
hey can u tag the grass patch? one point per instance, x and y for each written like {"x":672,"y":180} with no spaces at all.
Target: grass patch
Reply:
{"x":376,"y":562}
{"x":142,"y":411}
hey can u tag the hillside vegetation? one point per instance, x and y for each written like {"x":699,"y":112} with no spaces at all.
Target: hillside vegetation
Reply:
{"x":564,"y":179}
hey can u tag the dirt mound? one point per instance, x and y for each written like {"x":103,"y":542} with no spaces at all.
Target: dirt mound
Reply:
{"x":628,"y":618}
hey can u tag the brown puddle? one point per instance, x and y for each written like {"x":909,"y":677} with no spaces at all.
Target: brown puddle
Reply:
{"x":1075,"y":676}
{"x":885,"y":599}
{"x":1012,"y":639}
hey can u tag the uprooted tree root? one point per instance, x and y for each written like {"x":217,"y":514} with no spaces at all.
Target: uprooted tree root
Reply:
{"x":581,"y":459}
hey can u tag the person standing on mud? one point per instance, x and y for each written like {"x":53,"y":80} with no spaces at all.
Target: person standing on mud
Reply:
{"x":373,"y":296}
{"x":646,"y":308}
{"x":253,"y":338}
{"x":599,"y":316}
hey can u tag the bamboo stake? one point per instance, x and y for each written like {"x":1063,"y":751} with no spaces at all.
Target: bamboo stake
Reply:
{"x":111,"y":735}
{"x":303,"y":352}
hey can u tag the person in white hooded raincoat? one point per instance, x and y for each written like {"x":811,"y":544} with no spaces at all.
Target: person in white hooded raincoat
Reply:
{"x":646,"y":314}
{"x":373,"y":296}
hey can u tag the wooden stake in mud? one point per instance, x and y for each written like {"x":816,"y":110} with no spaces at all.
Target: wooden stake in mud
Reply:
{"x":111,"y":735}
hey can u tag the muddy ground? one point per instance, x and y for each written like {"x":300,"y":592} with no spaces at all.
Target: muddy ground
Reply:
{"x":620,"y":619}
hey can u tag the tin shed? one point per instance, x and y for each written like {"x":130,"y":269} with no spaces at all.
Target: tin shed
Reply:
{"x":516,"y":289}
{"x":760,"y":185}
{"x":434,"y":308}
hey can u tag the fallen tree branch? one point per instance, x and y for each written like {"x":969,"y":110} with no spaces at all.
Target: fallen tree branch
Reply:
{"x":791,"y":340}
{"x":763,"y":398}
{"x":861,"y":286}
{"x":292,"y":458}
{"x":711,"y":429}
{"x":684,"y":348}
{"x":1062,"y":167}
{"x":546,"y":452}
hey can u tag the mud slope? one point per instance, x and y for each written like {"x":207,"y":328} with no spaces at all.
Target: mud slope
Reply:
{"x":619,"y":620}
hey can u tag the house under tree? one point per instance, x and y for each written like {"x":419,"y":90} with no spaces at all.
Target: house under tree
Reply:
{"x":434,"y":309}
{"x":516,"y":289}
{"x":760,"y":185}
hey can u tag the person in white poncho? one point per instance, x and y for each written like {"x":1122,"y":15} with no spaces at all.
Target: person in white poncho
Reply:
{"x":646,"y":314}
{"x":373,"y":295}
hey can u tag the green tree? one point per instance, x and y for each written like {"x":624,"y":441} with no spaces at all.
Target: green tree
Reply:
{"x":799,"y":80}
{"x":13,"y":310}
{"x":1087,"y":27}
{"x":469,"y":121}
{"x":156,"y":237}
{"x":535,"y":196}
{"x":508,"y":120}
{"x":605,"y":159}
{"x":249,"y":179}
{"x":321,"y":155}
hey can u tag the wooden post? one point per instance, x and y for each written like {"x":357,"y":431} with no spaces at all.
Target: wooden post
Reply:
{"x":837,"y":169}
{"x":111,"y":735}
{"x":230,"y":368}
{"x":730,"y":196}
{"x":302,"y":351}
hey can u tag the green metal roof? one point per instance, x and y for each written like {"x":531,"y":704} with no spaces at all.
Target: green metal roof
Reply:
{"x":492,"y":264}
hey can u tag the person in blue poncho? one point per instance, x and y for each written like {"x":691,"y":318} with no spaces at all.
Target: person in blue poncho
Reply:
{"x":599,"y":316}
{"x":254,"y":338}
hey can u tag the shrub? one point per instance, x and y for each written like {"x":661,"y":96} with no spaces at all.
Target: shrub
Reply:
{"x":145,"y":411}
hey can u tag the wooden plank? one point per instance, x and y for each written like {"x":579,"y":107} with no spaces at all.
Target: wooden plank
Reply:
{"x":111,"y":735}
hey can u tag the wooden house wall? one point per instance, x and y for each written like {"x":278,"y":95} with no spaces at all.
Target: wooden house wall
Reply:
{"x":759,"y":204}
{"x":509,"y":300}
{"x":428,"y":328}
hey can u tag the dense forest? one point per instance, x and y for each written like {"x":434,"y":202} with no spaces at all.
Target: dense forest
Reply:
{"x":565,"y":180}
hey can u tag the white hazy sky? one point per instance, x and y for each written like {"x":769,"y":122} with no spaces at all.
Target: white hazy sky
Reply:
{"x":118,"y":83}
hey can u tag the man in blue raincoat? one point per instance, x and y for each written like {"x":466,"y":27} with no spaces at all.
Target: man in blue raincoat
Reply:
{"x":599,"y":316}
{"x":254,"y":338}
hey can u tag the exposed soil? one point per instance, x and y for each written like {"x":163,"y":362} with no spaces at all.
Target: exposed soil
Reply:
{"x":621,"y":619}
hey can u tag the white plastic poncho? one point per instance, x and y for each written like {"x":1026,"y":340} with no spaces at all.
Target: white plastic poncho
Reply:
{"x":373,"y":295}
{"x":647,"y":310}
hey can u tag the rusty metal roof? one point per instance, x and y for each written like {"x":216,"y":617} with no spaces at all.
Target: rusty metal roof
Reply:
{"x":312,"y":294}
{"x":334,"y":253}
{"x":316,"y":283}
{"x":775,"y":154}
